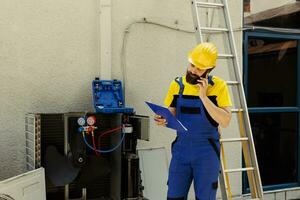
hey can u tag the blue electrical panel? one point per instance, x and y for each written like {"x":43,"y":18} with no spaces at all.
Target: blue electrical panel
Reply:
{"x":108,"y":97}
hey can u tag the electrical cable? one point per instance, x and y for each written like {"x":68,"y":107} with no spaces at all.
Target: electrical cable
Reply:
{"x":145,"y":21}
{"x":124,"y":43}
{"x":103,"y":151}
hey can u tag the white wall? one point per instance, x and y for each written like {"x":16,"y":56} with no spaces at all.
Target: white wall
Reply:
{"x":49,"y":56}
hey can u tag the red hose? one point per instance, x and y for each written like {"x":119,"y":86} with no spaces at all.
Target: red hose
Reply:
{"x":94,"y":145}
{"x":106,"y":133}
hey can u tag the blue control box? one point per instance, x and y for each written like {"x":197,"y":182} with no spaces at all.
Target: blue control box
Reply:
{"x":108,"y":97}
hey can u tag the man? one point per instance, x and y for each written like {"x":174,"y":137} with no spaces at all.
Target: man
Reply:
{"x":202,"y":103}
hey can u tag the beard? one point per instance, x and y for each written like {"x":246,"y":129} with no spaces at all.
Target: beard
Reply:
{"x":191,"y":78}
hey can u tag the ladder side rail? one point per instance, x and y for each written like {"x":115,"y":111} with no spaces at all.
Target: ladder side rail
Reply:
{"x":247,"y":157}
{"x":242,"y":96}
{"x":223,"y":179}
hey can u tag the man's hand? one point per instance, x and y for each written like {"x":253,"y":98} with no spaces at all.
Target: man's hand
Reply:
{"x":159,"y":120}
{"x":202,"y":84}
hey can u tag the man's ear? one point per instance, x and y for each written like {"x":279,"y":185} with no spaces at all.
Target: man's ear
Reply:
{"x":207,"y":72}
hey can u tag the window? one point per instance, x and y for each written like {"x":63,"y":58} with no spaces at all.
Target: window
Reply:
{"x":271,"y":79}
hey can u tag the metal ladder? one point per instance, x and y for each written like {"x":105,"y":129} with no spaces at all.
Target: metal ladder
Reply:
{"x":246,"y":139}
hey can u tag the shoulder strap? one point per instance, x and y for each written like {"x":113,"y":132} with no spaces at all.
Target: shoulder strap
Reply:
{"x":179,"y":81}
{"x":210,"y":81}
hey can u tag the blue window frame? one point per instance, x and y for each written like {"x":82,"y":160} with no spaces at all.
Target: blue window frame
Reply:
{"x":271,"y":76}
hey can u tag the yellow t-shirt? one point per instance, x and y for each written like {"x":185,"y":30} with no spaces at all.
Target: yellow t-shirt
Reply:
{"x":217,"y":92}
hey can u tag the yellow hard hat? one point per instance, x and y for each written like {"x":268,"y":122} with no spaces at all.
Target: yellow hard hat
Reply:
{"x":204,"y":56}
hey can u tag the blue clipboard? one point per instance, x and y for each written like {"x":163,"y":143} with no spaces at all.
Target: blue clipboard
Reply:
{"x":173,"y":122}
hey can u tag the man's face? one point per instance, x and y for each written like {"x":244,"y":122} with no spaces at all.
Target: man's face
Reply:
{"x":193,"y":74}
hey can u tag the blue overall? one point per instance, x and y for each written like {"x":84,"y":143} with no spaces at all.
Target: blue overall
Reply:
{"x":195,"y":154}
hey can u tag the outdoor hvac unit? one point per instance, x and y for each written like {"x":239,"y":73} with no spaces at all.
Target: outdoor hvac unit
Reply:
{"x":72,"y":170}
{"x":57,"y":143}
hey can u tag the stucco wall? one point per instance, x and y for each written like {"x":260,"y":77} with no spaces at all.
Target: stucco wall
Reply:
{"x":49,"y":55}
{"x":48,"y":58}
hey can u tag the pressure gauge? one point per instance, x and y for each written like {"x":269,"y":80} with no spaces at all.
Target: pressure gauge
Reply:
{"x":91,"y":120}
{"x":81,"y":121}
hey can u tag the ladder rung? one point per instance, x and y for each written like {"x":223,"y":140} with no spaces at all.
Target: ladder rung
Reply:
{"x":209,"y":29}
{"x":224,"y":56}
{"x":234,"y":139}
{"x":239,"y":170}
{"x":232,"y":82}
{"x":209,"y":5}
{"x":236,"y":110}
